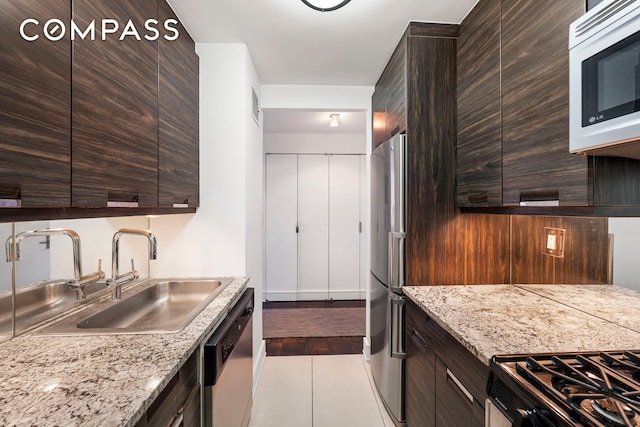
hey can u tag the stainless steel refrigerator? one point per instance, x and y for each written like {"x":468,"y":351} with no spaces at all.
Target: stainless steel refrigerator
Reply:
{"x":388,"y":272}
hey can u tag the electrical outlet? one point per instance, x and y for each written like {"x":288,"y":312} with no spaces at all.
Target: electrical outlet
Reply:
{"x":554,"y":242}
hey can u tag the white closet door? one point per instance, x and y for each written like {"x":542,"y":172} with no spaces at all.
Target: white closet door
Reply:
{"x":281,"y":216}
{"x":344,"y":227}
{"x":364,"y":235}
{"x":313,"y":223}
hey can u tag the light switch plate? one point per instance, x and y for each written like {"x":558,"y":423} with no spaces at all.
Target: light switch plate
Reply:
{"x":554,"y":241}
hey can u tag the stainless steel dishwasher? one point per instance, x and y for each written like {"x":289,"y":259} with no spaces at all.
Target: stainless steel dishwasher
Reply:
{"x":228,"y":368}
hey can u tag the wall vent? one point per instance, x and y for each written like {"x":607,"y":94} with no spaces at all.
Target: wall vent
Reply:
{"x":255,"y":106}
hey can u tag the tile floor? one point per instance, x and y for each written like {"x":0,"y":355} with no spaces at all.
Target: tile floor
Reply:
{"x":317,"y":391}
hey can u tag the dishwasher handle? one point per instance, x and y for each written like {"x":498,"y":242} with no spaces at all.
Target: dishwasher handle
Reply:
{"x":221,"y":344}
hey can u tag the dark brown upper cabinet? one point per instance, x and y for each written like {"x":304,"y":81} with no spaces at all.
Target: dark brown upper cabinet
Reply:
{"x":114,"y":109}
{"x":536,"y":161}
{"x":390,"y":96}
{"x":513,"y":106}
{"x":178,"y":133}
{"x":35,"y":108}
{"x":479,"y":146}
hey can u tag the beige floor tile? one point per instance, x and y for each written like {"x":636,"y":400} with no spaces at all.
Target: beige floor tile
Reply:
{"x":284,"y":394}
{"x":385,"y":415}
{"x":342,"y":393}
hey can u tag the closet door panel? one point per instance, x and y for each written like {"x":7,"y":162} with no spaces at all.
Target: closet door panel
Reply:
{"x":344,"y":227}
{"x":281,"y":216}
{"x":313,"y":225}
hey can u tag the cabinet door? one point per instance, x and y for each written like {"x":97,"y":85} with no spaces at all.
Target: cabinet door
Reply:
{"x":535,"y":104}
{"x":455,"y":407}
{"x":479,"y":143}
{"x":280,"y":230}
{"x":35,"y":107}
{"x":114,"y":108}
{"x":344,"y":227}
{"x":313,"y":223}
{"x":420,"y":368}
{"x":178,"y":144}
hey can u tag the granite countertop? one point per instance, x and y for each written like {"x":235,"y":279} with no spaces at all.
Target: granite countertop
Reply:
{"x":505,"y":319}
{"x":107,"y":380}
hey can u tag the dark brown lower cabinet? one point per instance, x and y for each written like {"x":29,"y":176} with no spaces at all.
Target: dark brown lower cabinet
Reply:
{"x":455,"y":406}
{"x":180,"y":398}
{"x":444,"y":384}
{"x":420,"y":365}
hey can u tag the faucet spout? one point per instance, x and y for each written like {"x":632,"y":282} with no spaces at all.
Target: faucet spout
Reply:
{"x":117,"y":279}
{"x":75,"y":239}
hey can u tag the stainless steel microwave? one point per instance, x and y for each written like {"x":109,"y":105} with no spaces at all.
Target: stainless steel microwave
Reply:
{"x":604,"y":80}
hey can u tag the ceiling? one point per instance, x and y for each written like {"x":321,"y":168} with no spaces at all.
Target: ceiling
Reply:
{"x":293,"y":44}
{"x":313,"y":121}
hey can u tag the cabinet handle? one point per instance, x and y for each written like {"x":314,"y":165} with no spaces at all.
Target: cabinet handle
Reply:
{"x":462,"y":388}
{"x":122,"y":200}
{"x":478,"y":199}
{"x":417,"y":338}
{"x":178,"y":420}
{"x":183,"y":204}
{"x":540,"y":197}
{"x":10,"y":197}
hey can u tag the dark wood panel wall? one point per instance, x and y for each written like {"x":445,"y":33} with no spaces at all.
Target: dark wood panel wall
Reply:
{"x":586,"y":251}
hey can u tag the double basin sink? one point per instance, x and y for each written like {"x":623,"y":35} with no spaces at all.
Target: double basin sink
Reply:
{"x":150,"y":306}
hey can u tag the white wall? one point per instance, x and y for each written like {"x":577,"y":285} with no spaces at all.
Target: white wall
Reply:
{"x":626,"y":251}
{"x":330,"y":98}
{"x":225,"y":236}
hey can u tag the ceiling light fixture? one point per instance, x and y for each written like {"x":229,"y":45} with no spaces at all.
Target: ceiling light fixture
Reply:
{"x":325,"y":5}
{"x":334,"y":120}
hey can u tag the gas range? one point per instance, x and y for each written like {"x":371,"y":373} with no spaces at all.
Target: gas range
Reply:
{"x":578,"y":389}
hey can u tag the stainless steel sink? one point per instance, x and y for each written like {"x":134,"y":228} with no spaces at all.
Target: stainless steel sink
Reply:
{"x":155,"y":306}
{"x":40,"y":302}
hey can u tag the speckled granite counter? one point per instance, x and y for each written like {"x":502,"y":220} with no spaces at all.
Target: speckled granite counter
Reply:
{"x":612,"y":303}
{"x":97,"y":380}
{"x":505,"y":319}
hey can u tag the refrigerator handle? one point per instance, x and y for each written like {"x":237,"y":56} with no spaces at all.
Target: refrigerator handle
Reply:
{"x":396,"y":260}
{"x":397,"y":328}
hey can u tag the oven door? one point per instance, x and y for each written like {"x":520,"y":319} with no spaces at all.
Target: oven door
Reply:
{"x":493,"y":417}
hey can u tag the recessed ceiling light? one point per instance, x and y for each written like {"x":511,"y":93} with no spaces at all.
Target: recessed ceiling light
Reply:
{"x":325,"y":5}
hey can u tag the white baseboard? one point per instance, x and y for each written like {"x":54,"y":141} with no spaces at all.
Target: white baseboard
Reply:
{"x":366,"y":348}
{"x":257,"y":366}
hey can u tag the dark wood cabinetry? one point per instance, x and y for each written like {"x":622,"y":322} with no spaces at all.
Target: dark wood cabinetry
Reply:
{"x":179,"y":399}
{"x":178,"y":133}
{"x":420,"y":366}
{"x":513,"y":106}
{"x":445,"y":383}
{"x":104,"y":118}
{"x":513,"y":117}
{"x":35,"y":108}
{"x":535,"y":105}
{"x":442,"y":246}
{"x":479,"y":146}
{"x":114,"y":110}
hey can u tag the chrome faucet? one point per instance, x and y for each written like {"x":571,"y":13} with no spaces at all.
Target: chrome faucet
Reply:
{"x":79,"y":282}
{"x":117,"y":279}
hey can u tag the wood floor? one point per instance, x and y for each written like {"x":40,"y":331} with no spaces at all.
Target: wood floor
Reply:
{"x":313,"y":345}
